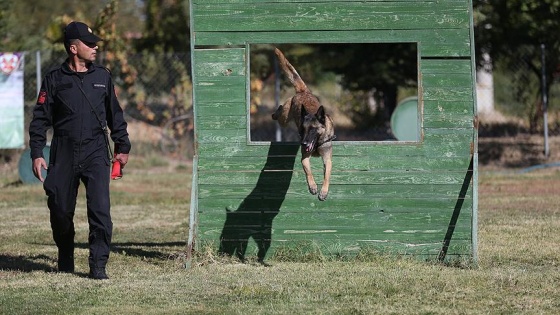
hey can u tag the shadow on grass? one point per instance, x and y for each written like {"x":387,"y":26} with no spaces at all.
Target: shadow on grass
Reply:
{"x":150,"y":250}
{"x":25,"y":263}
{"x":147,"y":250}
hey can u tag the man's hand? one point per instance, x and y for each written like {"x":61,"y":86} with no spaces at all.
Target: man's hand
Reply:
{"x":122,"y":158}
{"x":38,"y":165}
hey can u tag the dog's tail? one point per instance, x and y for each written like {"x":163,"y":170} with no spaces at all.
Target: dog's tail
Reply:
{"x":291,"y":72}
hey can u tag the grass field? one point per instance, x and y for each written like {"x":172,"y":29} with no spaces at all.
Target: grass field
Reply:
{"x":518,"y":270}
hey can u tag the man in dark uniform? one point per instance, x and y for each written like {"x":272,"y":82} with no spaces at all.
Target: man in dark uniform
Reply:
{"x":77,"y":99}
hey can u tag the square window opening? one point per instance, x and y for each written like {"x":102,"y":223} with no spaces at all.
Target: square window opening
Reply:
{"x":369,"y":90}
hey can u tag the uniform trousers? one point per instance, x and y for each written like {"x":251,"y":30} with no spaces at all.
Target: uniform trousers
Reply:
{"x":61,"y":186}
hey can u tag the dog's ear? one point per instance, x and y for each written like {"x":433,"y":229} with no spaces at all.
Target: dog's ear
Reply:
{"x":321,"y":115}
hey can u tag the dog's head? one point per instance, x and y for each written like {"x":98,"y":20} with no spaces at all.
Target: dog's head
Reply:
{"x":313,"y":127}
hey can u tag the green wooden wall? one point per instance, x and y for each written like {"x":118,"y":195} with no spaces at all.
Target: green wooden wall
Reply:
{"x":402,"y":197}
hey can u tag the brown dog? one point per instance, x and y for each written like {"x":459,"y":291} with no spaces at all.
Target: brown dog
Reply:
{"x":315,"y":127}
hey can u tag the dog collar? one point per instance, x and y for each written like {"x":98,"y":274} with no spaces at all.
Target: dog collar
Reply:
{"x":328,"y":140}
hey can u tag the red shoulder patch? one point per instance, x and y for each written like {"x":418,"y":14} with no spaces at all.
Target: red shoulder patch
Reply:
{"x":42,"y":98}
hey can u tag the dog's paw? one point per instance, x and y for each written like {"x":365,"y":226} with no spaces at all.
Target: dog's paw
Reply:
{"x":323,"y":195}
{"x":313,"y":189}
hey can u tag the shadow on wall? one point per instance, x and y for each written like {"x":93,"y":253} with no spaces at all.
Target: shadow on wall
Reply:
{"x":256,"y":212}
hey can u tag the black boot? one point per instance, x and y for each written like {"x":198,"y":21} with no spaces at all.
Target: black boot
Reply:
{"x":98,"y":273}
{"x":65,"y":262}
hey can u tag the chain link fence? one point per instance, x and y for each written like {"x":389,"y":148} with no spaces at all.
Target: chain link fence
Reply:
{"x":512,"y":93}
{"x":512,"y":130}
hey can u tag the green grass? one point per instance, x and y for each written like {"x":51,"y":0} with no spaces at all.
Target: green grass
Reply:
{"x":519,"y":220}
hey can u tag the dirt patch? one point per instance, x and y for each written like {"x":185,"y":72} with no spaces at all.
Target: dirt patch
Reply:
{"x":520,"y":151}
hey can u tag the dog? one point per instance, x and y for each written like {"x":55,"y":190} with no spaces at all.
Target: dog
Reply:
{"x":315,"y":127}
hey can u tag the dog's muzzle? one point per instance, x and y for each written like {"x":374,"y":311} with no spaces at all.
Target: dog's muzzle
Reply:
{"x":308,"y":146}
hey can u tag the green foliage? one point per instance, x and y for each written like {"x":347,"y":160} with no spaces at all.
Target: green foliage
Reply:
{"x":514,"y":89}
{"x":167,"y":26}
{"x":512,"y":31}
{"x":37,"y":24}
{"x":126,"y":26}
{"x":505,"y":28}
{"x":367,"y":66}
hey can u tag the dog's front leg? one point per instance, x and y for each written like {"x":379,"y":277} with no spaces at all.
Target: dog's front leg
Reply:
{"x":327,"y":167}
{"x":306,"y":163}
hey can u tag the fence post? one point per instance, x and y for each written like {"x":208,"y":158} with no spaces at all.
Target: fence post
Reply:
{"x":544,"y":100}
{"x":277,"y":95}
{"x":38,"y":70}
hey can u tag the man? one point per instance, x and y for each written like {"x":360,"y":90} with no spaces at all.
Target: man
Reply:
{"x":77,"y":99}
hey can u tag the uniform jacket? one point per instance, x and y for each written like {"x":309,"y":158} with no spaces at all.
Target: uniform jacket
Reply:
{"x":62,"y":106}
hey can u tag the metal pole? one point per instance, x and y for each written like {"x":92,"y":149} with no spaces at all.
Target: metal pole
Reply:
{"x":38,"y":70}
{"x":544,"y":100}
{"x":277,"y":95}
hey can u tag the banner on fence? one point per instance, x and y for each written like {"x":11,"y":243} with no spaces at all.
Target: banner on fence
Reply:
{"x":11,"y":100}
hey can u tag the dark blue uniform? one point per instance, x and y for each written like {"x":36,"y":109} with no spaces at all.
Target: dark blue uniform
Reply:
{"x":78,"y":152}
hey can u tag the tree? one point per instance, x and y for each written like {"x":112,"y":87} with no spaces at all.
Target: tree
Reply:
{"x":514,"y":30}
{"x":377,"y":70}
{"x":167,"y":26}
{"x":37,"y":24}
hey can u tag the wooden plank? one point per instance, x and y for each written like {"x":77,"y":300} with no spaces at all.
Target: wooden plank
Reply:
{"x":205,"y":109}
{"x":446,"y":66}
{"x":444,"y":107}
{"x":447,"y":80}
{"x":311,"y":204}
{"x":221,"y":122}
{"x":342,"y":163}
{"x":336,"y":247}
{"x":402,"y":226}
{"x":436,"y":148}
{"x":205,"y":136}
{"x":411,"y":236}
{"x":328,"y":235}
{"x":374,"y":149}
{"x":433,"y":43}
{"x":445,"y":120}
{"x":374,"y":222}
{"x":244,"y":149}
{"x":225,"y":89}
{"x":455,"y":135}
{"x":329,"y":15}
{"x":350,"y":148}
{"x":437,"y":93}
{"x":357,"y":178}
{"x":336,"y":191}
{"x":219,"y":62}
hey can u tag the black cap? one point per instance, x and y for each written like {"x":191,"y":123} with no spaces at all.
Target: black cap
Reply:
{"x":79,"y":30}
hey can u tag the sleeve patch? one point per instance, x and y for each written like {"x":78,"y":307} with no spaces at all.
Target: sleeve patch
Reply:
{"x":42,"y":98}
